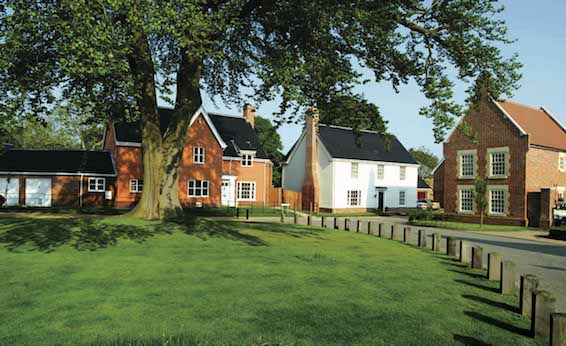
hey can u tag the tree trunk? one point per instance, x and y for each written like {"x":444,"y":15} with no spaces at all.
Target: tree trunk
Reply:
{"x":187,"y":102}
{"x":143,"y":72}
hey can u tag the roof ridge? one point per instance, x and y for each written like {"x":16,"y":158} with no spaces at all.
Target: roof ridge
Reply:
{"x":227,"y":115}
{"x":349,"y":128}
{"x":522,"y":105}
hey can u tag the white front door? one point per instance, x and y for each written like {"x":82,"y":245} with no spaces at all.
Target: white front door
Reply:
{"x":38,"y":192}
{"x":10,"y":189}
{"x":228,"y":191}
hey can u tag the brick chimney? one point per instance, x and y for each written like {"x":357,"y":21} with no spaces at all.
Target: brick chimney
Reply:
{"x":249,"y":114}
{"x":310,"y":183}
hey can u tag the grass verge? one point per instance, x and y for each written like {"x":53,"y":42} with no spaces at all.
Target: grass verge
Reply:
{"x":118,"y":281}
{"x":461,"y":226}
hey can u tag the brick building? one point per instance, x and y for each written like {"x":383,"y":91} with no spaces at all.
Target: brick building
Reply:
{"x":519,"y":150}
{"x":223,"y":164}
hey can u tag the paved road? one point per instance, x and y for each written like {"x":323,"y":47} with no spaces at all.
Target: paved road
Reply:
{"x":546,"y":261}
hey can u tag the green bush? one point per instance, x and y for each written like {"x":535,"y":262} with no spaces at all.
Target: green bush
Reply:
{"x":425,"y":215}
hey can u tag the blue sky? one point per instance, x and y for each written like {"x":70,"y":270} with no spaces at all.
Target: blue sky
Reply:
{"x":539,"y":28}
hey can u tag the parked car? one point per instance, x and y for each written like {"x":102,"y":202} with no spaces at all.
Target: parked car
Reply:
{"x":427,"y":204}
{"x":559,"y":215}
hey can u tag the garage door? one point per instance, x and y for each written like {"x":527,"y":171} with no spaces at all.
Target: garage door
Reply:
{"x":38,"y":192}
{"x":10,"y":189}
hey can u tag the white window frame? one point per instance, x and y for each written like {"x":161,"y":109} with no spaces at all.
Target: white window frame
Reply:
{"x":498,"y":188}
{"x":136,"y":185}
{"x":402,"y":172}
{"x":402,"y":198}
{"x":380,"y":172}
{"x":354,"y":201}
{"x":354,"y":170}
{"x":253,"y":191}
{"x":99,"y":184}
{"x":247,"y":160}
{"x":562,"y":162}
{"x":202,"y":188}
{"x":461,"y":191}
{"x":198,"y":155}
{"x":461,"y":158}
{"x":498,"y":151}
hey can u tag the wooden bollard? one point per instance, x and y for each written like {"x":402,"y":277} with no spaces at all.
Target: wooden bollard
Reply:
{"x":558,"y":329}
{"x":465,"y":255}
{"x":282,"y":217}
{"x":308,"y":220}
{"x":369,"y":227}
{"x":295,"y":218}
{"x":322,"y":223}
{"x":422,"y":238}
{"x":528,"y":284}
{"x":346,"y":224}
{"x":477,"y":257}
{"x":393,"y":231}
{"x":451,"y":246}
{"x":237,"y":213}
{"x":436,"y":242}
{"x":358,"y":226}
{"x":507,"y":284}
{"x":335,"y":223}
{"x":407,"y":234}
{"x":379,"y":230}
{"x":543,"y":306}
{"x":493,"y":266}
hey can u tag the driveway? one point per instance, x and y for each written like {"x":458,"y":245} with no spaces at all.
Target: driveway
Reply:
{"x":544,"y":260}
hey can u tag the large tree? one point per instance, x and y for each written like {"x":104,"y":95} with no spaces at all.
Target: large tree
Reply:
{"x":121,"y":52}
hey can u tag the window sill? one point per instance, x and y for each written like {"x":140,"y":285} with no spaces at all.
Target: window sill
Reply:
{"x":245,"y":200}
{"x":466,"y":212}
{"x":198,"y":196}
{"x":198,"y":163}
{"x":496,"y":214}
{"x":466,"y":177}
{"x":498,"y":177}
{"x":96,"y":191}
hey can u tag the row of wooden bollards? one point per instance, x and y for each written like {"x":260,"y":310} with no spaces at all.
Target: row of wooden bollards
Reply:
{"x":536,"y":304}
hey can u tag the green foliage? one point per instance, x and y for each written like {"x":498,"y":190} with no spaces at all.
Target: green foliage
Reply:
{"x":352,"y":111}
{"x":304,"y":52}
{"x":480,"y":196}
{"x":426,"y":158}
{"x":424,"y":215}
{"x":271,"y":143}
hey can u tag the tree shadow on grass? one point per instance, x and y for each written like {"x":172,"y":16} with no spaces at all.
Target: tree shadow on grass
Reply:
{"x":493,"y":303}
{"x":469,"y":341}
{"x":476,"y":285}
{"x":467,"y":273}
{"x":46,"y":235}
{"x":500,"y":324}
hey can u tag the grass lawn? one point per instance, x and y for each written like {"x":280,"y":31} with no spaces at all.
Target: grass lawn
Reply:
{"x":117,"y":281}
{"x":461,"y":226}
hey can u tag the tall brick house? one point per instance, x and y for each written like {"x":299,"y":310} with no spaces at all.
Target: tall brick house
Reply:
{"x":519,"y":150}
{"x":223,"y":163}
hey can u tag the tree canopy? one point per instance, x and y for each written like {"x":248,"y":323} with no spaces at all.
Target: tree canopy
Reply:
{"x":118,"y":53}
{"x":426,"y":158}
{"x":270,"y":141}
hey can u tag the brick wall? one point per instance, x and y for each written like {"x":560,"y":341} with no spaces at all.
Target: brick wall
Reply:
{"x":542,"y":169}
{"x":439,"y":185}
{"x":493,"y":130}
{"x":260,"y":173}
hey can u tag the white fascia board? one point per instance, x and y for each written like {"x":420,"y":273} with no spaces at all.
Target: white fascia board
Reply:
{"x":201,"y":110}
{"x":509,"y":117}
{"x":230,"y":158}
{"x":544,"y":109}
{"x":377,"y":162}
{"x":58,"y":174}
{"x":297,"y":143}
{"x":437,"y":166}
{"x":128,"y":144}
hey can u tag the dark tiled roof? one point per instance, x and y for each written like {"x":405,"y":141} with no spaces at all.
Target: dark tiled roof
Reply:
{"x":237,"y":133}
{"x":57,"y":161}
{"x":422,"y":184}
{"x":234,"y":130}
{"x":341,"y":143}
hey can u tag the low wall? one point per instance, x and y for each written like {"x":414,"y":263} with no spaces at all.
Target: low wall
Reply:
{"x":488,"y":220}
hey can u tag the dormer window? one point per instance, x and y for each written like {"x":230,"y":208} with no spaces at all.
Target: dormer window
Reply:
{"x":247,"y":160}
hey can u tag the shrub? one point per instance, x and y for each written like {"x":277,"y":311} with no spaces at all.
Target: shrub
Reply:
{"x":420,"y":215}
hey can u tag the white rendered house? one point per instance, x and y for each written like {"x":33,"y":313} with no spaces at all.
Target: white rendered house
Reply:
{"x":337,"y":173}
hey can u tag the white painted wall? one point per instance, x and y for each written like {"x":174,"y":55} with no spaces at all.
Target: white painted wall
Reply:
{"x":325,"y":177}
{"x":367,"y":182}
{"x":294,"y":172}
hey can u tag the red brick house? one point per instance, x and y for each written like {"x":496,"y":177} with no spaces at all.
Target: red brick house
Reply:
{"x":223,"y":162}
{"x":519,"y":150}
{"x":223,"y":165}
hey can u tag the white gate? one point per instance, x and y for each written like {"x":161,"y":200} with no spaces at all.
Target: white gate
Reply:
{"x":38,"y":192}
{"x":10,"y":189}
